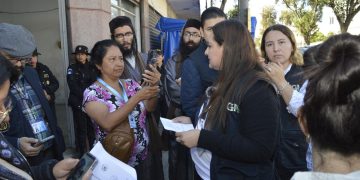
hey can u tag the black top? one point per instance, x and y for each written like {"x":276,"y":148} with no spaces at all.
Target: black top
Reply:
{"x":79,"y":77}
{"x":48,"y":81}
{"x":247,"y":147}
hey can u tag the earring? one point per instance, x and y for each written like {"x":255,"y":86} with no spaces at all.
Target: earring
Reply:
{"x":308,"y":138}
{"x":4,"y":126}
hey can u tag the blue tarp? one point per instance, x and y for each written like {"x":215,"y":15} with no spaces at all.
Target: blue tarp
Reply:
{"x":171,"y":32}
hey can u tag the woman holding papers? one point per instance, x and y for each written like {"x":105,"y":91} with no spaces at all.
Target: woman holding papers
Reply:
{"x":13,"y":164}
{"x":238,"y":125}
{"x":109,"y":101}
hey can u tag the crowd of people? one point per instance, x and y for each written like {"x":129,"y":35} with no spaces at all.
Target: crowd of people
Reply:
{"x":273,"y":114}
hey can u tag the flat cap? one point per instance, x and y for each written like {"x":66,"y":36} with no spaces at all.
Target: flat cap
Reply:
{"x":16,"y":40}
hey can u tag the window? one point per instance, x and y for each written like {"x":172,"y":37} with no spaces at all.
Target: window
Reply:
{"x":130,"y":9}
{"x":331,"y":20}
{"x":123,"y":8}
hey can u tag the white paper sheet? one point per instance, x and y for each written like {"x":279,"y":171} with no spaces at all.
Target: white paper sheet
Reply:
{"x":173,"y":126}
{"x":108,"y":167}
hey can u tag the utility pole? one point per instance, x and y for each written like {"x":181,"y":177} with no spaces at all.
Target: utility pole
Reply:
{"x":243,"y":11}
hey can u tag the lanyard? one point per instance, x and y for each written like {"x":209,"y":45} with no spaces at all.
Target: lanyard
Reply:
{"x":132,"y":120}
{"x":113,"y":91}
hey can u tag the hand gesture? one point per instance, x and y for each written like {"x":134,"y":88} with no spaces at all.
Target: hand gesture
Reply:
{"x":188,"y":138}
{"x":275,"y":72}
{"x":30,"y":146}
{"x":152,"y":77}
{"x":182,"y":119}
{"x":48,"y":97}
{"x":148,"y":92}
{"x":62,"y":169}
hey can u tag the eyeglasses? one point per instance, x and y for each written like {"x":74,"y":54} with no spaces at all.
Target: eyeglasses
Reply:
{"x":189,"y":34}
{"x":22,"y":60}
{"x":127,"y":35}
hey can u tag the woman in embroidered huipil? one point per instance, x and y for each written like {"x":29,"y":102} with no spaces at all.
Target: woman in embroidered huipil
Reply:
{"x":110,"y":101}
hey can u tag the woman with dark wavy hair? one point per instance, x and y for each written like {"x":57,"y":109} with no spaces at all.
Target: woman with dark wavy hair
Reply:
{"x":238,"y":125}
{"x":330,"y":117}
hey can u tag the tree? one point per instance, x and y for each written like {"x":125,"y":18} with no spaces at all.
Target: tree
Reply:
{"x":233,"y":13}
{"x":304,"y":15}
{"x":345,"y":11}
{"x":222,"y":6}
{"x":268,"y":17}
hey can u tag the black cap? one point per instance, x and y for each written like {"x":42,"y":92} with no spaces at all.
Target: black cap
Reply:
{"x":120,"y":21}
{"x":81,"y":49}
{"x":192,"y":23}
{"x":36,"y":53}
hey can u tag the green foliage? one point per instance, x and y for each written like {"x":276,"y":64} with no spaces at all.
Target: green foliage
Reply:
{"x":303,"y":15}
{"x":345,"y":11}
{"x":233,"y":13}
{"x":318,"y":36}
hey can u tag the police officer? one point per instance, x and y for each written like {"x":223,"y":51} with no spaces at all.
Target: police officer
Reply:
{"x":79,"y":77}
{"x":48,"y":81}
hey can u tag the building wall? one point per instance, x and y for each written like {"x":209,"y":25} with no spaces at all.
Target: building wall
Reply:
{"x":163,"y":8}
{"x":88,"y":22}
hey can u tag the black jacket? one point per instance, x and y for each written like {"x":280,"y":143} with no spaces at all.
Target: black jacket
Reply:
{"x":20,"y":127}
{"x":79,"y":77}
{"x":48,"y":81}
{"x":196,"y":77}
{"x":293,"y":146}
{"x":246,"y":148}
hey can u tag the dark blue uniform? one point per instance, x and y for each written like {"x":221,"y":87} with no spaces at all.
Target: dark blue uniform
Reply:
{"x":79,"y":77}
{"x":49,"y":82}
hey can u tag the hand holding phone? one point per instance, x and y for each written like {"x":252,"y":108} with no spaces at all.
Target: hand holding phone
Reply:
{"x":87,"y":161}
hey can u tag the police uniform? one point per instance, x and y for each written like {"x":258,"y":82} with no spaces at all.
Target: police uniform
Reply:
{"x":79,"y":77}
{"x":49,"y":82}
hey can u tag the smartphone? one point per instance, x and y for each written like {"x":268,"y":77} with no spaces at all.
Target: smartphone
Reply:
{"x":86,"y":162}
{"x":46,"y":139}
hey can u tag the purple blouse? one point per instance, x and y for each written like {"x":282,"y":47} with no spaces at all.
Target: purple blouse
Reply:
{"x":98,"y":93}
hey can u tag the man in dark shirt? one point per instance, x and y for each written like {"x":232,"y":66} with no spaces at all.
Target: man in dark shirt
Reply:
{"x":196,"y":74}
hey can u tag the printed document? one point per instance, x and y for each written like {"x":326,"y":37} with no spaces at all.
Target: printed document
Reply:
{"x":174,"y":126}
{"x":108,"y":167}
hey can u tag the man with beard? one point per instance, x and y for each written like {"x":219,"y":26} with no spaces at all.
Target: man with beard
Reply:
{"x":180,"y":163}
{"x":196,"y":75}
{"x":33,"y":126}
{"x":123,"y":32}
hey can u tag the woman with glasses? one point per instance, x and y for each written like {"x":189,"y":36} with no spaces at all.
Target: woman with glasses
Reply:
{"x":13,"y":164}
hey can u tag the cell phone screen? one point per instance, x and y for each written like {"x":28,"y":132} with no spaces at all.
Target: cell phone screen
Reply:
{"x":85,"y":163}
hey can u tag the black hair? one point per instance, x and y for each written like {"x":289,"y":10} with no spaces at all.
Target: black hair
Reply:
{"x":99,"y":51}
{"x":332,"y":100}
{"x":7,"y":71}
{"x":210,"y":13}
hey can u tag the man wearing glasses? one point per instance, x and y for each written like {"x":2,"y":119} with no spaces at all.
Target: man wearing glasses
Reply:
{"x":180,"y":163}
{"x":123,"y":32}
{"x":196,"y":74}
{"x":33,"y":128}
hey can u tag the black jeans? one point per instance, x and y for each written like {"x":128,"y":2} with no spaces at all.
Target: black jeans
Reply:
{"x":84,"y":131}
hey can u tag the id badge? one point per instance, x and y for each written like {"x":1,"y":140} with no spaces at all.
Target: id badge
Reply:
{"x":132,"y":122}
{"x":39,"y":126}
